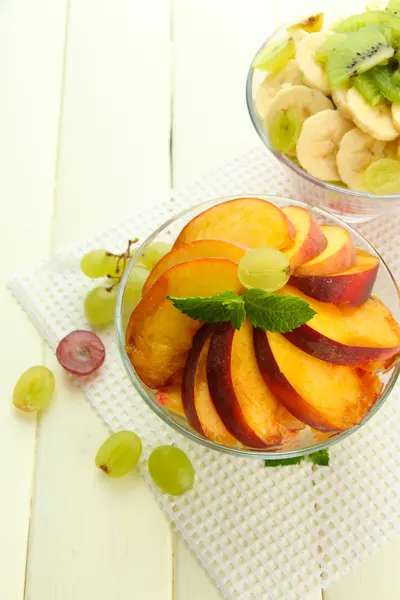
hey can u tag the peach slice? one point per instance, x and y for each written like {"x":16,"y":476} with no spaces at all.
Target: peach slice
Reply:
{"x":309,"y":239}
{"x":323,"y":395}
{"x":251,"y":222}
{"x":352,"y":286}
{"x":347,"y":335}
{"x":338,"y":255}
{"x":198,"y":405}
{"x":243,"y":401}
{"x":191,"y":251}
{"x":171,"y":397}
{"x":159,"y":336}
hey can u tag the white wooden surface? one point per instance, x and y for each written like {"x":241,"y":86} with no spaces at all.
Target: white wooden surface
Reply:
{"x":94,"y":92}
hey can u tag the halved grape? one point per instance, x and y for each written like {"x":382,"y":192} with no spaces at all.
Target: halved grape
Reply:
{"x":95,"y":264}
{"x":171,"y":470}
{"x":274,"y":57}
{"x":284,"y":130}
{"x":387,"y":82}
{"x":153,"y":253}
{"x":383,"y":177}
{"x":34,"y":389}
{"x":99,"y":305}
{"x":81,"y":352}
{"x":264,"y":268}
{"x":119,"y":454}
{"x":366,"y":85}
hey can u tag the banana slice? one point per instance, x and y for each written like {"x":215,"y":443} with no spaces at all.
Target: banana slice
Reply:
{"x":313,"y":72}
{"x":267,"y":90}
{"x":374,"y":120}
{"x":307,"y":101}
{"x":392,"y":149}
{"x":298,"y":36}
{"x":396,"y":115}
{"x":357,"y":151}
{"x":339,"y":97}
{"x":319,"y":141}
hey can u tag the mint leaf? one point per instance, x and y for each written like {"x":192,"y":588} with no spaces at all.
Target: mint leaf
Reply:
{"x":320,"y":458}
{"x":283,"y":462}
{"x":224,"y":307}
{"x":276,"y":312}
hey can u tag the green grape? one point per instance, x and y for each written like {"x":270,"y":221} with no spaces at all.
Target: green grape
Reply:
{"x":99,"y":305}
{"x":383,"y":177}
{"x":264,"y":268}
{"x":171,"y":470}
{"x":119,"y":454}
{"x":284,"y":129}
{"x":115,"y":265}
{"x":95,"y":264}
{"x":153,"y":253}
{"x":134,"y":285}
{"x":274,"y":57}
{"x":34,"y":389}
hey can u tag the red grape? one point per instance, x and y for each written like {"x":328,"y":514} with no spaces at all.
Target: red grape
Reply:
{"x":81,"y":352}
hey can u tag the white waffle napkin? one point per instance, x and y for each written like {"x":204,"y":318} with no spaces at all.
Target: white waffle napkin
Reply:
{"x":260,"y":533}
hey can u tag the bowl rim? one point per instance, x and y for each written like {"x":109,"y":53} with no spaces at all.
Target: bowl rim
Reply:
{"x":281,"y":157}
{"x":193,"y":435}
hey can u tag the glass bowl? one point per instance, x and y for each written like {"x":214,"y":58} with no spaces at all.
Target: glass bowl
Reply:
{"x":350,"y":205}
{"x":308,"y":440}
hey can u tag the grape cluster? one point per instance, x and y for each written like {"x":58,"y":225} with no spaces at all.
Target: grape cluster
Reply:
{"x":99,"y":304}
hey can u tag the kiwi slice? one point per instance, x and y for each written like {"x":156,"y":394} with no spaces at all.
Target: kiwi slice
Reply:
{"x":328,"y":46}
{"x":284,"y":130}
{"x":383,"y":176}
{"x":393,"y":7}
{"x":358,"y":52}
{"x":275,"y":56}
{"x":373,"y":17}
{"x":365,"y":84}
{"x":387,"y":82}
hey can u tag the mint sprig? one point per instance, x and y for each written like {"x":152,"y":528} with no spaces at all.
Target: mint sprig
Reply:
{"x":320,"y":458}
{"x":267,"y":311}
{"x":224,"y":307}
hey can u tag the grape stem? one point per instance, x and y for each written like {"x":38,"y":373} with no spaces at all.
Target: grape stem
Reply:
{"x":121,"y":258}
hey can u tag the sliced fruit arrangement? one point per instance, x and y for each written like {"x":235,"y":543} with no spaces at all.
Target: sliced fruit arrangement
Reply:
{"x":355,"y":64}
{"x":247,"y":357}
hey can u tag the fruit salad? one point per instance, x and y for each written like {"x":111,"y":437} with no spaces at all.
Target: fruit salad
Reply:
{"x":259,"y":323}
{"x":330,"y":99}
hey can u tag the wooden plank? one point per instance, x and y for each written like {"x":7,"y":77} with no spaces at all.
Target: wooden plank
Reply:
{"x":31,"y":44}
{"x":92,"y":537}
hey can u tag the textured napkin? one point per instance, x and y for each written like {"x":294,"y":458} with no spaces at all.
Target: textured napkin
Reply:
{"x":259,"y":533}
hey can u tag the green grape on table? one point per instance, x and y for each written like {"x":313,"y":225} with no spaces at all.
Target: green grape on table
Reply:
{"x":95,"y":263}
{"x":99,"y":305}
{"x":264,"y":268}
{"x":171,"y":470}
{"x":153,"y":253}
{"x":119,"y":454}
{"x":34,"y":389}
{"x":383,"y":177}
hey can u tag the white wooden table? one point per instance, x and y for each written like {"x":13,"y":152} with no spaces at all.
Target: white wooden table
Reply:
{"x":104,"y":105}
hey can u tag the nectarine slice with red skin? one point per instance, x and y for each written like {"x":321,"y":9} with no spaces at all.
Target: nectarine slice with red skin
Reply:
{"x":309,"y":240}
{"x":194,"y":250}
{"x":338,"y":255}
{"x":159,"y":336}
{"x":171,"y":397}
{"x":347,"y":335}
{"x":198,"y":405}
{"x":243,"y":401}
{"x":251,"y":222}
{"x":325,"y":396}
{"x":351,"y":286}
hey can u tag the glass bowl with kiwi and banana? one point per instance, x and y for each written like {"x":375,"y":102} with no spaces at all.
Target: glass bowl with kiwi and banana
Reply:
{"x":325,"y":100}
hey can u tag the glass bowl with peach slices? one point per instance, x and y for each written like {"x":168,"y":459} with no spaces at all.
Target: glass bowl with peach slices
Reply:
{"x":325,"y":100}
{"x":267,"y":328}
